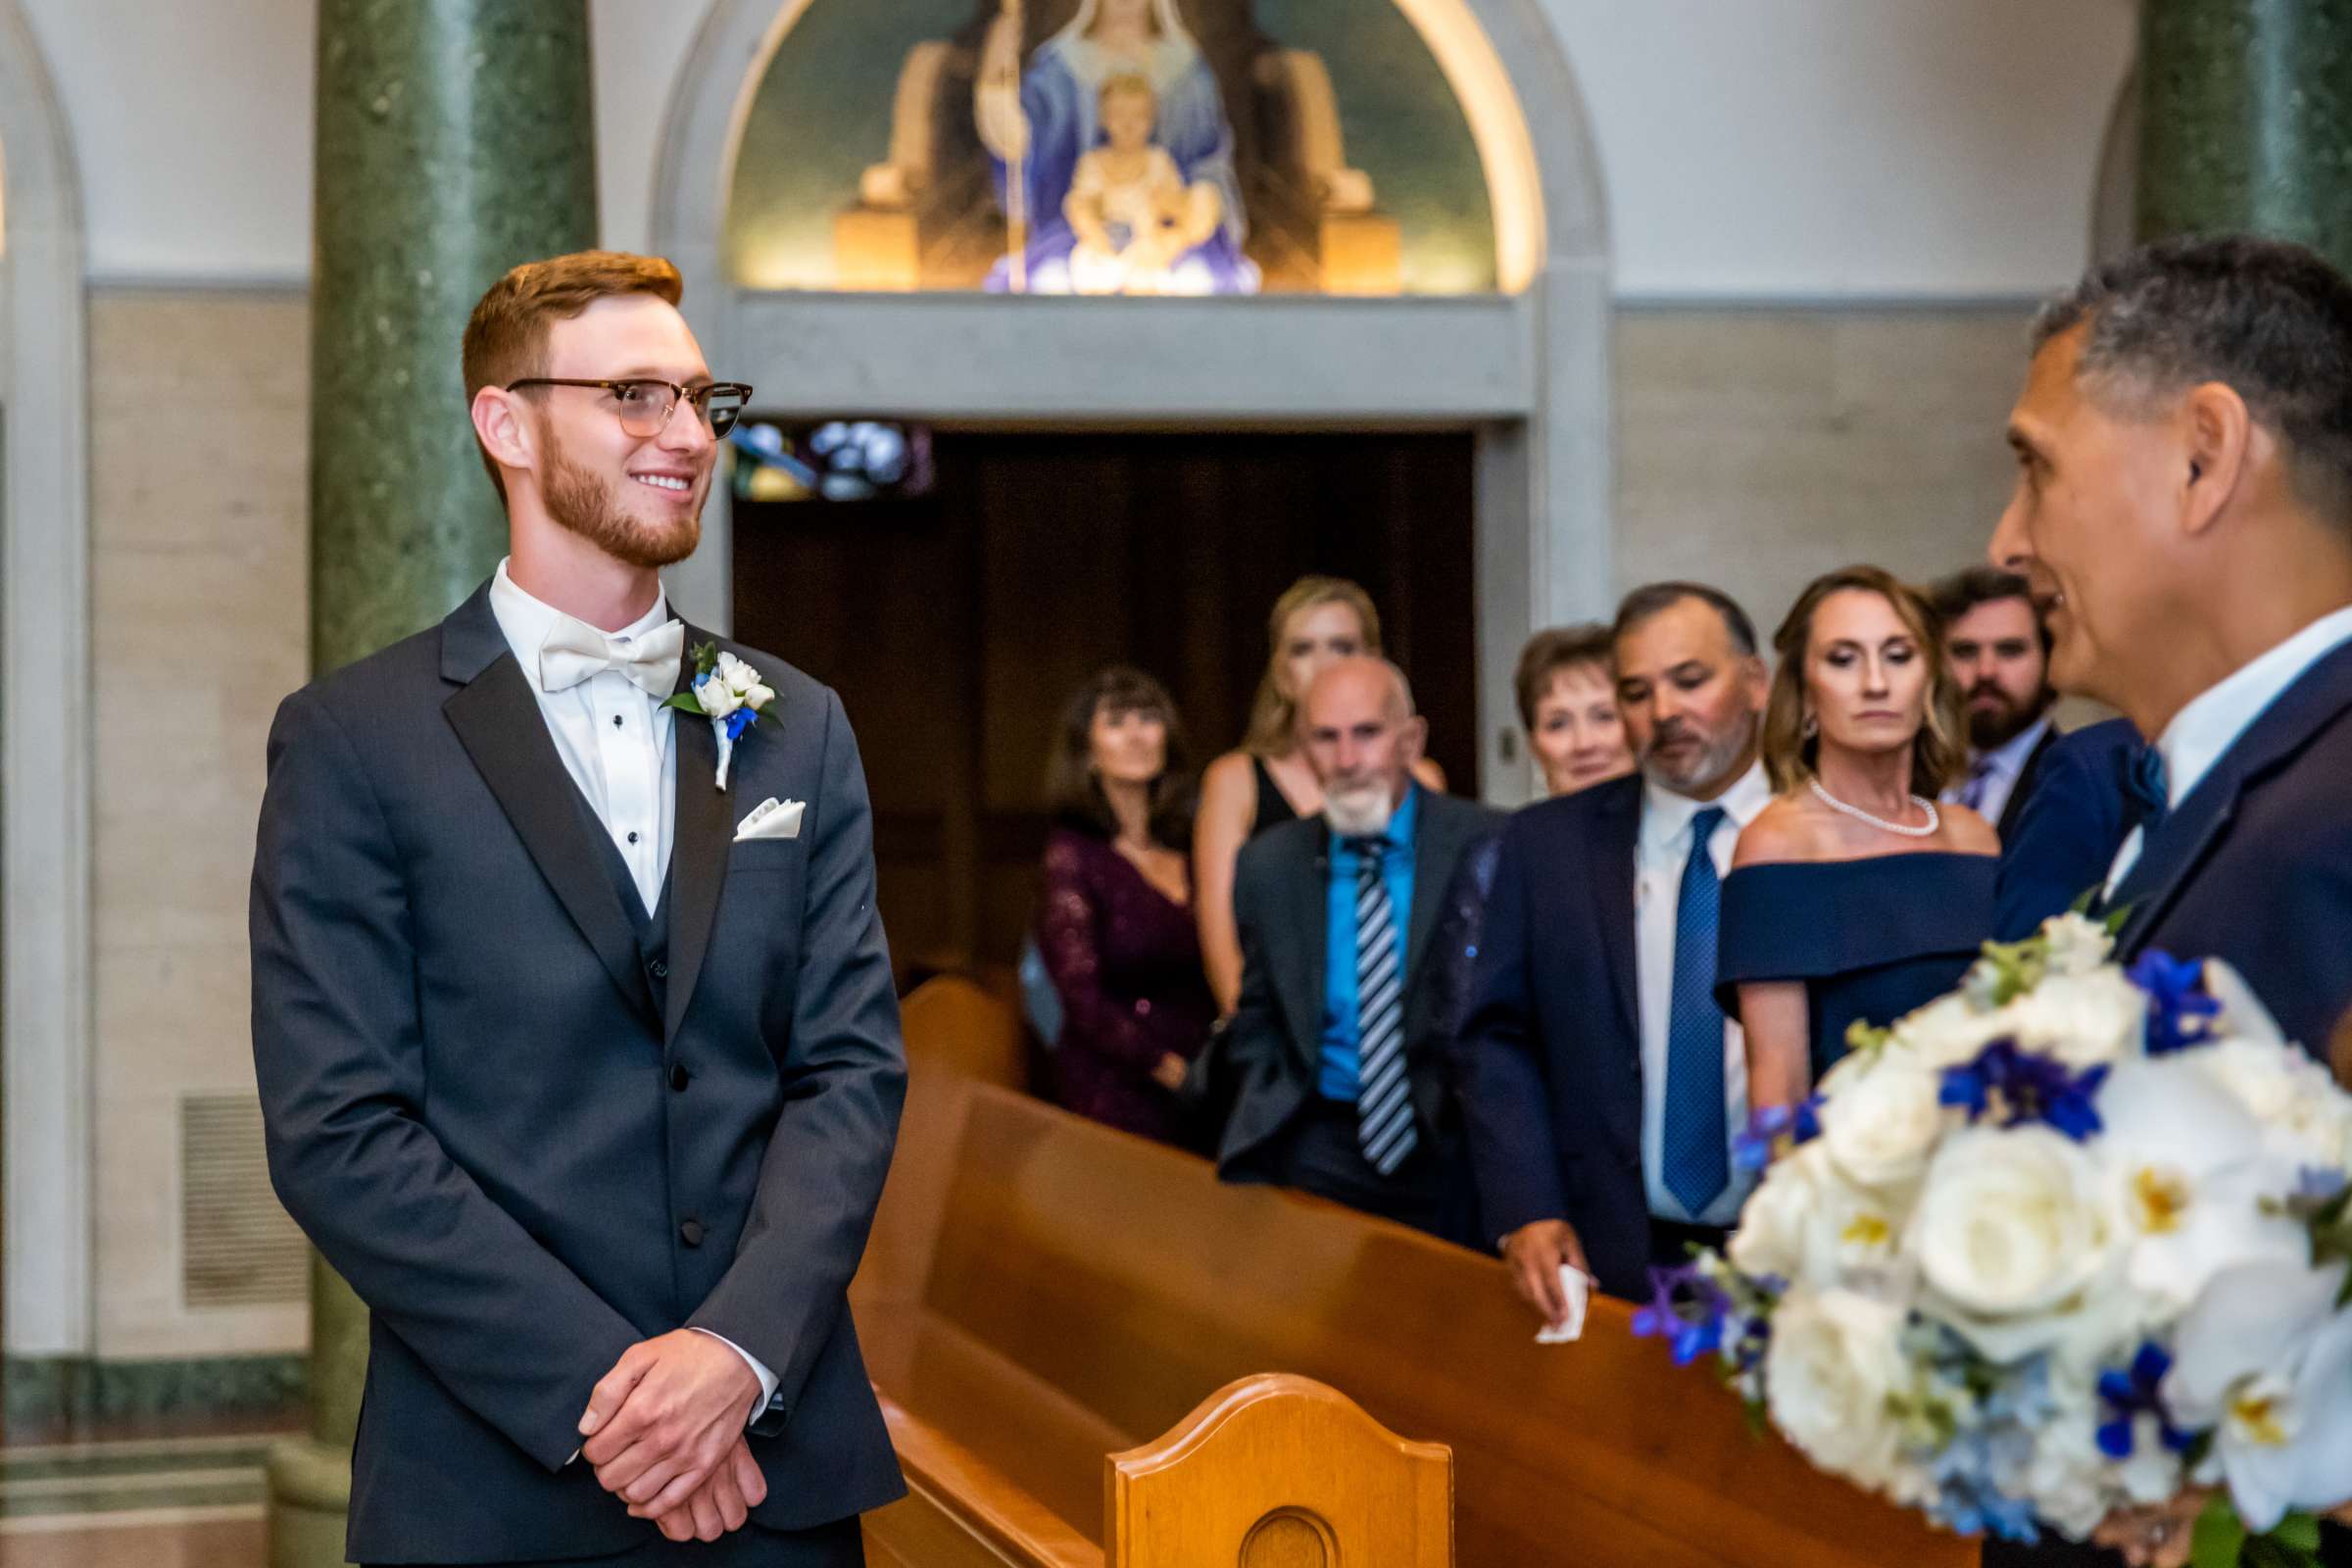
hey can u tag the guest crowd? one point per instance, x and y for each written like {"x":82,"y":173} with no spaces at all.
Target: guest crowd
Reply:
{"x":1544,"y":1033}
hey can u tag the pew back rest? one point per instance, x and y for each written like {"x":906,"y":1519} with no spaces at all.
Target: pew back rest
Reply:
{"x":1122,"y":1280}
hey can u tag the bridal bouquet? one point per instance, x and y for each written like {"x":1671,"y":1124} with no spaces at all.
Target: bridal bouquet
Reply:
{"x":2070,"y":1238}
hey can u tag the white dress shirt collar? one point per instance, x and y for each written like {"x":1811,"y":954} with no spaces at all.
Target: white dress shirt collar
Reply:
{"x":1666,"y":816}
{"x":526,"y":620}
{"x":2201,"y":733}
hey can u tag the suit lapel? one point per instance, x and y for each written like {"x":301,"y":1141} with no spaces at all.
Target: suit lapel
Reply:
{"x":1613,"y":892}
{"x":703,"y":828}
{"x":497,"y":719}
{"x":2013,"y":808}
{"x":2182,"y":840}
{"x":1310,"y":886}
{"x":1436,"y":848}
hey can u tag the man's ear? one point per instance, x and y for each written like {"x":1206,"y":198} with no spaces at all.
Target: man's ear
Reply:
{"x":2219,"y":437}
{"x":1416,"y":739}
{"x":1757,"y":679}
{"x":504,"y":431}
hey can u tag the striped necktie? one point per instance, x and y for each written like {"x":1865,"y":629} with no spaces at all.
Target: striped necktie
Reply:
{"x":1384,"y":1101}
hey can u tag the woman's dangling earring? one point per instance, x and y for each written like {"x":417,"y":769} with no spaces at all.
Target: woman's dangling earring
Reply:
{"x":1812,"y":726}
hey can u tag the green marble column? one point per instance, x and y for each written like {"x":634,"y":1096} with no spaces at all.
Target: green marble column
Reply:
{"x":455,"y":138}
{"x":2246,"y":119}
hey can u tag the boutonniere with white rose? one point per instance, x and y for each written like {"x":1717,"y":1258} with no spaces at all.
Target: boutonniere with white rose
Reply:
{"x":729,"y":693}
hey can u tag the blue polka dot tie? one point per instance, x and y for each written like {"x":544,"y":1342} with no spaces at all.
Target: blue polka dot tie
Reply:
{"x":1696,"y":1159}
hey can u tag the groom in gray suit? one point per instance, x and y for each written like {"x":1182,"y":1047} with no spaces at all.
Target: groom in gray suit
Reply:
{"x":583,"y":1069}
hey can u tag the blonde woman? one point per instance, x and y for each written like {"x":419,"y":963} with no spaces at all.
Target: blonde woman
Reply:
{"x":1854,"y":897}
{"x":1267,"y":780}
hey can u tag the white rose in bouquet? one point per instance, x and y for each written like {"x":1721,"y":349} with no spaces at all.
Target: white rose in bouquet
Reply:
{"x":1949,"y":1031}
{"x":2015,"y":1227}
{"x":1806,"y":1221}
{"x":2291,"y":1097}
{"x":1834,"y":1364}
{"x":1882,"y":1121}
{"x":2081,"y":1019}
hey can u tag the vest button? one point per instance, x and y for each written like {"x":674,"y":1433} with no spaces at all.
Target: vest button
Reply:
{"x":658,"y":968}
{"x":679,"y":1077}
{"x":691,"y":1233}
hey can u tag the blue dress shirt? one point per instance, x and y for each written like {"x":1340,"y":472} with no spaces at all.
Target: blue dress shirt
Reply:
{"x":1339,"y":1024}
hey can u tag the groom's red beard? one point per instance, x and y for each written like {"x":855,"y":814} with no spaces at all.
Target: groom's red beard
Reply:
{"x":585,"y":505}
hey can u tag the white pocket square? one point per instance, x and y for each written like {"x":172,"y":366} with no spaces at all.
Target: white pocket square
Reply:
{"x":771,"y":818}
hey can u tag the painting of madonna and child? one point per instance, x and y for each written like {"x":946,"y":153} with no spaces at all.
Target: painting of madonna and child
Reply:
{"x":1100,"y":147}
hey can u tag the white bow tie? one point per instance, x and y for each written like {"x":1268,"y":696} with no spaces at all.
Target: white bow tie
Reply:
{"x":575,"y":650}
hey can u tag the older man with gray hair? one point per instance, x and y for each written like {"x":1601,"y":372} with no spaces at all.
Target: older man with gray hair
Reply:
{"x":1334,"y":1048}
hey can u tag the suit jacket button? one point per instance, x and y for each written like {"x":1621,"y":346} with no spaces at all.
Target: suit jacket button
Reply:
{"x":691,"y":1233}
{"x":658,"y":968}
{"x":679,"y":1076}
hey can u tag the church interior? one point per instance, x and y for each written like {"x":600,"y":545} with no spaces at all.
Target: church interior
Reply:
{"x":1497,"y":308}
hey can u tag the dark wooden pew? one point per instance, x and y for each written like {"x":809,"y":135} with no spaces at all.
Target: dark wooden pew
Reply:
{"x":1043,"y":1291}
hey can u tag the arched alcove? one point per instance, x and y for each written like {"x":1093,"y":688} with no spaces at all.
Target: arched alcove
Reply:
{"x":44,"y":720}
{"x":1525,"y":367}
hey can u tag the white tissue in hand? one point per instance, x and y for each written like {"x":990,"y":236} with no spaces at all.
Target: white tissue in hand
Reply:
{"x":1575,"y":1287}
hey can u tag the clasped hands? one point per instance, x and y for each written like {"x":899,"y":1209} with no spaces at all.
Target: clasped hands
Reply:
{"x":665,"y":1427}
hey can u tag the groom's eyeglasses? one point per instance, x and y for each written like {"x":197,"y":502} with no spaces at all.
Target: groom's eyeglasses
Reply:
{"x":645,"y":405}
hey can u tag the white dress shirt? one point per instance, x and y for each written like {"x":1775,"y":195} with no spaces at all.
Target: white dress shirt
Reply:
{"x":2202,"y":733}
{"x":2003,"y":765}
{"x":1660,"y":854}
{"x":614,"y":741}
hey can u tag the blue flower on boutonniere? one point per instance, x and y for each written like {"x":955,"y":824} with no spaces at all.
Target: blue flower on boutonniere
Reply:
{"x":728,"y":692}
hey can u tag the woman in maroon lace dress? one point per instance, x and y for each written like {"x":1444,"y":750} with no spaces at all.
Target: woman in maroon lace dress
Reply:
{"x":1114,"y":917}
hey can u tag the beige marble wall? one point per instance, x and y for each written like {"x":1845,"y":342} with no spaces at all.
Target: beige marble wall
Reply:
{"x":198,"y":564}
{"x":1758,"y":448}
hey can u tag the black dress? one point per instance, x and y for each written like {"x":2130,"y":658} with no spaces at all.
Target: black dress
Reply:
{"x":1273,"y":807}
{"x":1871,"y":938}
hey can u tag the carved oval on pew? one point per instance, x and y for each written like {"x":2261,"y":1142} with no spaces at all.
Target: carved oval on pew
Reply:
{"x":1277,"y":1471}
{"x":1290,"y":1539}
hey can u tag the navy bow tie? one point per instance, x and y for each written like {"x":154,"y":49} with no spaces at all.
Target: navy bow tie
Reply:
{"x":2147,"y":797}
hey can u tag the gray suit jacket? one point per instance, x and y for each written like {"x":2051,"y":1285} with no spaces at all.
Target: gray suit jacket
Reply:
{"x":526,"y":1143}
{"x":1281,"y":902}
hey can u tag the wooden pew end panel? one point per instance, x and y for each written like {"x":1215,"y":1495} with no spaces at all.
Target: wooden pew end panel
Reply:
{"x":1277,"y":1471}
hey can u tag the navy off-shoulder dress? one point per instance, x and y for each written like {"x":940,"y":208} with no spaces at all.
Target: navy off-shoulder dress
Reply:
{"x":1871,"y":938}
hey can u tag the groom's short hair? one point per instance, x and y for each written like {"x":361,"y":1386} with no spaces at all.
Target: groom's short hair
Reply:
{"x":2271,"y":320}
{"x":506,"y":337}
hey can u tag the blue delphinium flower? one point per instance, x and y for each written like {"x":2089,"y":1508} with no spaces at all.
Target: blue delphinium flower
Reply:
{"x":1687,"y":1309}
{"x":738,"y":721}
{"x":2180,"y":1012}
{"x":1775,"y":1130}
{"x":2128,"y":1392}
{"x":2014,"y":1086}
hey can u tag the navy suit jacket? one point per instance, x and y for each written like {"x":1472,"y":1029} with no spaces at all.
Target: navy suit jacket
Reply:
{"x":2255,"y":865}
{"x":526,"y":1143}
{"x":2063,"y":840}
{"x":1549,"y":1062}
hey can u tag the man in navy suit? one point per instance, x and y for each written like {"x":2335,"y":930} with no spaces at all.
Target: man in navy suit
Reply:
{"x":2183,"y":507}
{"x":1601,"y":1091}
{"x":583,"y":1069}
{"x":2063,"y":837}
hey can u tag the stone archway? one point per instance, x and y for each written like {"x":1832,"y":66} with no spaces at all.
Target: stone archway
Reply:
{"x":1527,"y":367}
{"x":45,"y":733}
